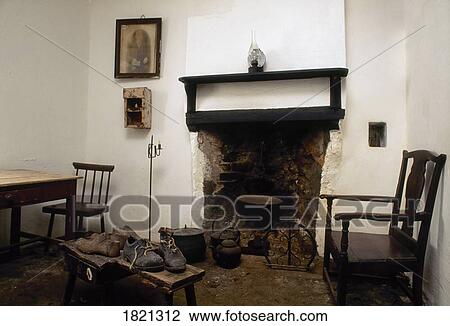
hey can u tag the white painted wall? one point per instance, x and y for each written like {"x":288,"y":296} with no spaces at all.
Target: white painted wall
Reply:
{"x":294,"y":34}
{"x":375,"y":93}
{"x":107,"y":140}
{"x":43,"y":92}
{"x":428,"y":116}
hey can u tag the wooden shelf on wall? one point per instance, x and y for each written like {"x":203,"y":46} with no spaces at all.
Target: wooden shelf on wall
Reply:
{"x":265,"y":76}
{"x":137,"y":108}
{"x":323,"y":114}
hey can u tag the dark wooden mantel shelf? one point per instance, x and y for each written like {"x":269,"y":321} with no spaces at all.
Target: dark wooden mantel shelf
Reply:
{"x":266,"y":76}
{"x":329,"y":115}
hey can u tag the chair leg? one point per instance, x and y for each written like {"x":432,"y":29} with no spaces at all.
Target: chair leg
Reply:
{"x":80,"y":223}
{"x":49,"y":230}
{"x":417,"y":289}
{"x":50,"y":225}
{"x":102,"y":223}
{"x":341,"y":290}
{"x":326,"y":262}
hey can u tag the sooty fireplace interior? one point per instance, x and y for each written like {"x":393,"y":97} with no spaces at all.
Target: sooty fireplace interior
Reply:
{"x":255,"y":161}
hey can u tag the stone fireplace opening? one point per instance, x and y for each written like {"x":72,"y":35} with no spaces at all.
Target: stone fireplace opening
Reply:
{"x":282,"y":162}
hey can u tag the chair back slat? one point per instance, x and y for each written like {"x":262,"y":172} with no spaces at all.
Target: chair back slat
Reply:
{"x":84,"y":185}
{"x":422,"y":182}
{"x":94,"y":168}
{"x":434,"y":184}
{"x":107,"y":187}
{"x":416,"y":182}
{"x":100,"y":189}
{"x":400,"y":184}
{"x":92,"y":188}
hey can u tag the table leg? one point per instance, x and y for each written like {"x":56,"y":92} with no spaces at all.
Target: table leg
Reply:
{"x":70,"y":217}
{"x":108,"y":294}
{"x":70,"y":285}
{"x":169,"y":299}
{"x":190,"y":295}
{"x":15,"y":229}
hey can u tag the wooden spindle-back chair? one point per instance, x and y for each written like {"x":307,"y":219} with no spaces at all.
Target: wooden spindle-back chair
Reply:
{"x":96,"y":181}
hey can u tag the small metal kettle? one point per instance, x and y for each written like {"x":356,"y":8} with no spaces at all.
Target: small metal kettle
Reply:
{"x":228,"y":254}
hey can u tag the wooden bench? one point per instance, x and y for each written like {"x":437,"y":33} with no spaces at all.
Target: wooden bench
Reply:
{"x":101,"y":270}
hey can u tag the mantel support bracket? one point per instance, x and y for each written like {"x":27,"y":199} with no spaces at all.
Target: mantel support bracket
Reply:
{"x":335,"y":92}
{"x":191,"y":95}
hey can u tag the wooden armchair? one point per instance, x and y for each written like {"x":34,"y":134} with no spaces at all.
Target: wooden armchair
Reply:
{"x":389,"y":255}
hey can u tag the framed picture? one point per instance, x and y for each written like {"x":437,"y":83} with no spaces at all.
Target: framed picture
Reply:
{"x":138,"y":48}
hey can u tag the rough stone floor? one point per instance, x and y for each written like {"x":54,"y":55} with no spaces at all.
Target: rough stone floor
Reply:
{"x":38,"y":278}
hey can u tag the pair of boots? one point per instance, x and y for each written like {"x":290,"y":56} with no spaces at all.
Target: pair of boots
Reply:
{"x":105,"y":244}
{"x":150,"y":257}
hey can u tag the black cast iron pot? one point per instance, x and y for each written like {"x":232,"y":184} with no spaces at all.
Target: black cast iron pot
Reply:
{"x":191,"y":242}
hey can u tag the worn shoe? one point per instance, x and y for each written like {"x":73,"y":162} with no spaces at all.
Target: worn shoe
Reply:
{"x":99,"y":243}
{"x":174,"y":260}
{"x":122,"y":234}
{"x":142,"y":255}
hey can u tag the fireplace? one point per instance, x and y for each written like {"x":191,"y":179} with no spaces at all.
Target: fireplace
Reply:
{"x":273,"y":153}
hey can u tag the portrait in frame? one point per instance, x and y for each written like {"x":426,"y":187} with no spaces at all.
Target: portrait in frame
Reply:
{"x":138,"y":48}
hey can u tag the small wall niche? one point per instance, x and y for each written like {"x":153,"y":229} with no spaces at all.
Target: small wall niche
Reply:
{"x":377,"y":134}
{"x":137,"y":108}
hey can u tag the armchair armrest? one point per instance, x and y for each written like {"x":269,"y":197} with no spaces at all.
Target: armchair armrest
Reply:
{"x":370,"y":216}
{"x":383,"y":199}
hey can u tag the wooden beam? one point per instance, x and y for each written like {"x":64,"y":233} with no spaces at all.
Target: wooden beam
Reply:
{"x":273,"y":117}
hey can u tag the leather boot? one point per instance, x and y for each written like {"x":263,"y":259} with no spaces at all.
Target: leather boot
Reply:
{"x":174,"y":260}
{"x":98,"y":244}
{"x":142,"y":255}
{"x":122,"y":234}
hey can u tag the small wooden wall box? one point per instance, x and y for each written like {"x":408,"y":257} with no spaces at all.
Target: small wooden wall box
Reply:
{"x":137,"y":108}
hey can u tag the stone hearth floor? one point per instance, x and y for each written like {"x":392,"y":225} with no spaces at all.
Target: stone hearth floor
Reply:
{"x":37,"y":278}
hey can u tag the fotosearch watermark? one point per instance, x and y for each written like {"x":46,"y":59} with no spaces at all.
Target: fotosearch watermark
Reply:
{"x":262,"y":213}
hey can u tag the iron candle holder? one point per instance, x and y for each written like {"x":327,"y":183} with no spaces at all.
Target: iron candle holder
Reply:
{"x":153,"y":151}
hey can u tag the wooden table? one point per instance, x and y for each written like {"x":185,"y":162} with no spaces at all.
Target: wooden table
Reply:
{"x":101,"y":270}
{"x":25,"y":187}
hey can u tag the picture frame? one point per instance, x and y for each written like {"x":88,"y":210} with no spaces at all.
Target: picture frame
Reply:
{"x":138,"y":48}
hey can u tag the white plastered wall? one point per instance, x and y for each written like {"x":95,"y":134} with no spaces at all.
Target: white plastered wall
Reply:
{"x":43,"y":92}
{"x":375,"y":93}
{"x":428,"y":116}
